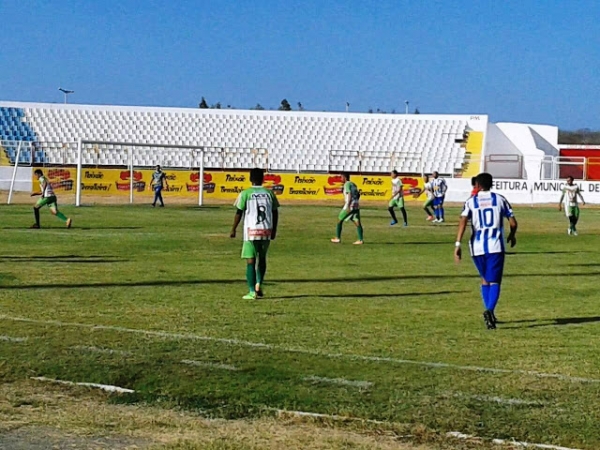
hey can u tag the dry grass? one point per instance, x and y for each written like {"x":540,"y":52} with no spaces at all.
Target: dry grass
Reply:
{"x":83,"y":413}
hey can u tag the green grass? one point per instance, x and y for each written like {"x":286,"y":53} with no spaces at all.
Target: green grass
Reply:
{"x":400,"y":297}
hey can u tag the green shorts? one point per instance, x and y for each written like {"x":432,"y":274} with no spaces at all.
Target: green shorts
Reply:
{"x":254,"y":249}
{"x":428,"y":203}
{"x":49,"y":201}
{"x":573,"y":211}
{"x":397,"y":203}
{"x":346,"y":216}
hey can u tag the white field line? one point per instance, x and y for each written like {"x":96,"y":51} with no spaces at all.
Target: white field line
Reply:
{"x":12,"y":339}
{"x":459,"y":435}
{"x":104,"y":387}
{"x":210,"y":365}
{"x":340,"y":381}
{"x":106,"y":351}
{"x":501,"y":400}
{"x":260,"y":345}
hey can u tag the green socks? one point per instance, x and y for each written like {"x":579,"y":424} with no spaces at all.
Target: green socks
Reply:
{"x":262,"y":269}
{"x":61,"y":216}
{"x":338,"y":230}
{"x":359,"y":229}
{"x":251,"y":277}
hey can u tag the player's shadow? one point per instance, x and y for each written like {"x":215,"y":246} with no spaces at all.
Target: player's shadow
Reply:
{"x":197,"y":282}
{"x":352,"y":296}
{"x":409,"y":243}
{"x":585,"y":265}
{"x":69,"y":259}
{"x":553,"y":252}
{"x":110,"y":228}
{"x":561,"y":321}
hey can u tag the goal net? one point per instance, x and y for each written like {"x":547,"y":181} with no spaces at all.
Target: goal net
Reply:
{"x":119,"y":173}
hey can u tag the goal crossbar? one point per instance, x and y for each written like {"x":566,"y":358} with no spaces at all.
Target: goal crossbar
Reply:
{"x":130,"y":146}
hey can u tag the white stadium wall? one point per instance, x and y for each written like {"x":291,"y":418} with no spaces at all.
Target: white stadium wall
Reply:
{"x":524,"y":192}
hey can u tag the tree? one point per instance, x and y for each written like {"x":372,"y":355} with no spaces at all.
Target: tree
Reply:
{"x":370,"y":111}
{"x":300,"y":107}
{"x":258,"y":107}
{"x":285,"y":105}
{"x":203,"y":104}
{"x":216,"y":105}
{"x":417,"y":110}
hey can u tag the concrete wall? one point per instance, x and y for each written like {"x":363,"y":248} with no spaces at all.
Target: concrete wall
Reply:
{"x":22,"y":180}
{"x":524,"y":192}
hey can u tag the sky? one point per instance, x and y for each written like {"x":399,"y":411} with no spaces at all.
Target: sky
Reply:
{"x":533,"y":61}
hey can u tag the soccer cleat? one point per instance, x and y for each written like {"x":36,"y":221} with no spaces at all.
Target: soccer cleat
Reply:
{"x":574,"y":232}
{"x":569,"y":231}
{"x":405,"y":224}
{"x":393,"y":222}
{"x":494,"y":318}
{"x":69,"y":222}
{"x":358,"y":243}
{"x":259,"y":291}
{"x":249,"y":296}
{"x":441,"y":220}
{"x":430,"y":218}
{"x":35,"y":225}
{"x":489,"y":321}
{"x":435,"y":221}
{"x":336,"y":240}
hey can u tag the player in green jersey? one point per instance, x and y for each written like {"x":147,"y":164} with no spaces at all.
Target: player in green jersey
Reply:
{"x":259,"y":207}
{"x":397,"y":200}
{"x":350,"y":211}
{"x":570,"y":194}
{"x":428,"y":191}
{"x":48,"y":198}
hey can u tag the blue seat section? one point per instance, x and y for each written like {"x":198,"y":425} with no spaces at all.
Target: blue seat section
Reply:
{"x":14,"y":127}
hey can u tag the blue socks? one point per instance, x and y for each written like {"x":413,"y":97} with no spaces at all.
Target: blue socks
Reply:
{"x":485,"y":293}
{"x":490,"y":293}
{"x":493,"y":296}
{"x":441,"y":212}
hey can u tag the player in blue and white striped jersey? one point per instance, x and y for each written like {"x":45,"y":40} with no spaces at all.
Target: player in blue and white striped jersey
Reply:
{"x":487,"y":210}
{"x":439,"y":194}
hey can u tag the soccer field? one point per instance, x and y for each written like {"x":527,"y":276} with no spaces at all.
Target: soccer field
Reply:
{"x":150,"y":300}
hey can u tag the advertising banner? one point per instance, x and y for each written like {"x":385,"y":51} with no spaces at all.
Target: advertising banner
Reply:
{"x":226,"y":185}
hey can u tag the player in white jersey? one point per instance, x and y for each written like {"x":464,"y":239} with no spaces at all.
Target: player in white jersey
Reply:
{"x":570,"y":194}
{"x":428,"y":191}
{"x":48,"y":199}
{"x":259,"y":206}
{"x":397,"y":199}
{"x":487,"y":210}
{"x":439,"y":194}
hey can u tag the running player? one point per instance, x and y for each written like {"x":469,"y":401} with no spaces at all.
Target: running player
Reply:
{"x":487,"y":211}
{"x":48,"y":198}
{"x":350,"y":211}
{"x":428,"y":190}
{"x":397,"y":199}
{"x":570,"y":194}
{"x":159,"y":181}
{"x":259,"y":206}
{"x":439,"y":194}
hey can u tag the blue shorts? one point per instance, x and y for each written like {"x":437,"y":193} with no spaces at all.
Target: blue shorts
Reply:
{"x":158,"y":188}
{"x":438,"y":201}
{"x":490,"y":266}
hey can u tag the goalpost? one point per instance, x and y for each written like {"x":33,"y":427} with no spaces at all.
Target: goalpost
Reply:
{"x":102,"y":155}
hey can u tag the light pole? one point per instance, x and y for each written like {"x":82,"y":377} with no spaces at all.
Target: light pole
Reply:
{"x":66,"y":92}
{"x":406,"y":110}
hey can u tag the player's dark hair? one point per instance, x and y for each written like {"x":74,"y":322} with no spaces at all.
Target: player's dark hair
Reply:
{"x":570,"y":178}
{"x":38,"y":172}
{"x":473,"y":181}
{"x":257,"y":176}
{"x":485,"y":181}
{"x":395,"y":172}
{"x":346,"y":175}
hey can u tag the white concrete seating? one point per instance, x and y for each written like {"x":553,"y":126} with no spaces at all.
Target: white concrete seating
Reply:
{"x":292,"y":141}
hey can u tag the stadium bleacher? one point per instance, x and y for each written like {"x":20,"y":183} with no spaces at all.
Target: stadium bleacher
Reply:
{"x":293,"y":141}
